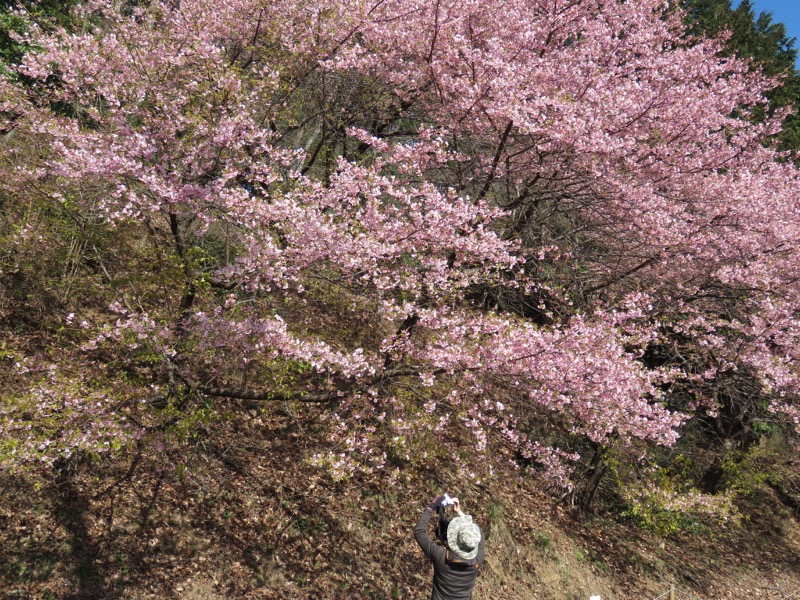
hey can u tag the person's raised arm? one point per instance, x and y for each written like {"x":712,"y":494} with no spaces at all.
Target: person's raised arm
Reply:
{"x":429,"y":547}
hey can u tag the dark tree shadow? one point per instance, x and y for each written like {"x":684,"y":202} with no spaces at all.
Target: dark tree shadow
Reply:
{"x":71,"y":509}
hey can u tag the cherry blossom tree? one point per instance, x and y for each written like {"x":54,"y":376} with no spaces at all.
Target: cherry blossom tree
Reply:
{"x":440,"y":221}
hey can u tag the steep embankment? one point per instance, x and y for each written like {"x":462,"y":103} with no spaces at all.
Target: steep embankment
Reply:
{"x":242,"y":515}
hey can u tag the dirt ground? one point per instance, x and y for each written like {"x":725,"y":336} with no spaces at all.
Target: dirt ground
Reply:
{"x":241,"y":514}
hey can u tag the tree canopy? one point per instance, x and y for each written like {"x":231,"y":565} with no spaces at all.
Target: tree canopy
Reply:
{"x":492,"y":231}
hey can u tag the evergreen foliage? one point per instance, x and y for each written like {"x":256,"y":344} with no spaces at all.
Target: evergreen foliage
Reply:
{"x":760,"y":39}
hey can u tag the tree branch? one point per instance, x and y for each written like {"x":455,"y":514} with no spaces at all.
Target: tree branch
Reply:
{"x":496,"y":161}
{"x":621,"y":276}
{"x":264,"y":396}
{"x":407,"y":325}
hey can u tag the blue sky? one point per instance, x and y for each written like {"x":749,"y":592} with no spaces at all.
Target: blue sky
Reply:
{"x":783,"y":11}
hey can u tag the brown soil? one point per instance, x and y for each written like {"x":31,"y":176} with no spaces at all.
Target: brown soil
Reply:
{"x":245,"y":516}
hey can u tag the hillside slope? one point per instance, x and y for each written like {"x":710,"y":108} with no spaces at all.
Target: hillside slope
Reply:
{"x":243,"y":517}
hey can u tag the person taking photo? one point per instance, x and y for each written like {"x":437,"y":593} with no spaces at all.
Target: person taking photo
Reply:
{"x":456,"y":563}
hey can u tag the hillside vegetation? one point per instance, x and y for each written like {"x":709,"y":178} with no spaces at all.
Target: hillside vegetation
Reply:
{"x":273,"y":274}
